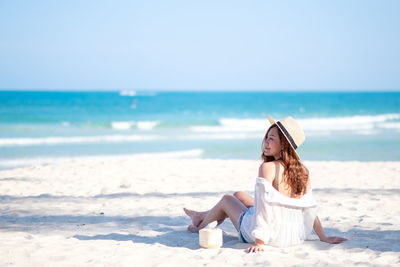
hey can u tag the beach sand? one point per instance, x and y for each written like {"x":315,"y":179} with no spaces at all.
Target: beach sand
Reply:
{"x":129,"y":213}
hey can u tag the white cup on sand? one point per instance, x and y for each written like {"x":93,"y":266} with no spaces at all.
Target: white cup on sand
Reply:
{"x":210,"y":237}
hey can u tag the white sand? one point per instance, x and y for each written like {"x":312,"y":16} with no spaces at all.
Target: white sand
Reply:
{"x":129,"y":213}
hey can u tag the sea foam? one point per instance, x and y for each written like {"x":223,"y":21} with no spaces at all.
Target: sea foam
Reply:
{"x":351,"y":123}
{"x":233,"y":125}
{"x":76,"y":140}
{"x":322,"y":125}
{"x":127,"y":93}
{"x":126,"y":125}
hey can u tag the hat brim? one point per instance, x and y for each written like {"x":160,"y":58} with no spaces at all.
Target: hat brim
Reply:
{"x":272,"y":121}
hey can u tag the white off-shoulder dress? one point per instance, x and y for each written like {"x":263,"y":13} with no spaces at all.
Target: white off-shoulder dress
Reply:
{"x":276,"y":219}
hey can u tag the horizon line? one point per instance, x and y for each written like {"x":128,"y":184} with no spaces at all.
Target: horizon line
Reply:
{"x":198,"y":90}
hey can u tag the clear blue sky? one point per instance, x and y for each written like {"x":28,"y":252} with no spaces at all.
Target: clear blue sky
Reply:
{"x":203,"y":45}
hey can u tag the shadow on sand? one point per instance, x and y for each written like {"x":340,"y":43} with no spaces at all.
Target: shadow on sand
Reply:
{"x":169,"y":231}
{"x":355,"y":191}
{"x":115,"y":195}
{"x":177,"y":238}
{"x":172,"y":231}
{"x":380,"y":241}
{"x":377,"y":240}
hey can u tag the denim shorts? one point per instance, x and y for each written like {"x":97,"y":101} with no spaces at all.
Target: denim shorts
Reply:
{"x":240,"y":236}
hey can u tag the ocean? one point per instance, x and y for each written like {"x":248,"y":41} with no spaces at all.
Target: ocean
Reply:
{"x":47,"y":126}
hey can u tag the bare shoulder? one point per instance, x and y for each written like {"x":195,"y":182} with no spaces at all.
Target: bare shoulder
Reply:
{"x":305,"y":169}
{"x":267,"y":171}
{"x":308,"y":173}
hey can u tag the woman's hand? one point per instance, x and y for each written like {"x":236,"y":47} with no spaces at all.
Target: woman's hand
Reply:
{"x":333,"y":239}
{"x":320,"y":232}
{"x":255,"y":248}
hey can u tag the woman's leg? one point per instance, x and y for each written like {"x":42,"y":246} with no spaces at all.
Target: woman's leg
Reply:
{"x":247,"y":200}
{"x":197,"y":216}
{"x":228,"y":206}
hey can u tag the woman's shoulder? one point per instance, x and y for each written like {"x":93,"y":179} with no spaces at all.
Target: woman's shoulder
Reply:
{"x":307,"y":172}
{"x":267,"y":171}
{"x":305,"y":168}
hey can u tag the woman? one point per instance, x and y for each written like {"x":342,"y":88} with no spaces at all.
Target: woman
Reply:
{"x":283,"y":212}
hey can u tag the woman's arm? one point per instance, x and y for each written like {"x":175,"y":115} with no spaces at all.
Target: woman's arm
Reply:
{"x":266,"y":171}
{"x":321,"y":234}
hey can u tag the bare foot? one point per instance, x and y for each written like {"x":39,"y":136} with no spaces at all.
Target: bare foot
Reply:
{"x":196,"y":216}
{"x":193,"y":229}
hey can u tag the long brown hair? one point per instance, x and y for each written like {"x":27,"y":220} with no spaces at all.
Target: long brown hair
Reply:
{"x":295,"y":174}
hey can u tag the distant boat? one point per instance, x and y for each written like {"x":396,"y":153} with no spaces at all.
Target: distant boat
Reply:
{"x":127,"y":93}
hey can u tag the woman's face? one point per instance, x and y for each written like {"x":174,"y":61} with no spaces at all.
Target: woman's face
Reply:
{"x":272,"y":144}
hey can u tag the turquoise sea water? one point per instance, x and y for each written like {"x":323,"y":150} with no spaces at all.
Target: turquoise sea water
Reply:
{"x":37,"y":127}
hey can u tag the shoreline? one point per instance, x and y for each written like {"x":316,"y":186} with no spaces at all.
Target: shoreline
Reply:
{"x":124,"y":211}
{"x":189,"y":154}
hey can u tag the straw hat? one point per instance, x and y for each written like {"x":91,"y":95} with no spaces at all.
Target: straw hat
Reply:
{"x":291,"y":130}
